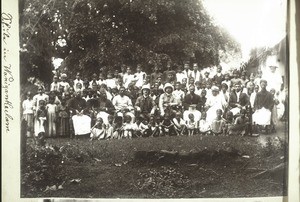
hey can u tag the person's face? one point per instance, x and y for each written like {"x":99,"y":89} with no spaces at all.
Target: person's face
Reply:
{"x":192,"y":90}
{"x":101,"y":76}
{"x":55,"y":79}
{"x":128,"y":70}
{"x":203,"y":115}
{"x":251,"y":86}
{"x":235,"y":75}
{"x":109,"y":76}
{"x":215,"y":93}
{"x":272,"y":91}
{"x":219,"y":69}
{"x":237,"y":88}
{"x":177,"y":86}
{"x":208,"y":85}
{"x":195,"y":67}
{"x":186,"y":66}
{"x":227,"y":77}
{"x":256,"y":89}
{"x":273,"y":69}
{"x":191,"y":81}
{"x":71,"y":90}
{"x":191,"y":117}
{"x":168,"y":90}
{"x":206,"y":74}
{"x":219,"y":114}
{"x":95,"y":87}
{"x":263,"y":85}
{"x":224,"y":89}
{"x":184,"y":80}
{"x":122,"y":91}
{"x":229,"y":116}
{"x":138,"y":69}
{"x":203,"y":93}
{"x":170,"y":76}
{"x":78,"y":94}
{"x":146,"y":92}
{"x":63,"y":78}
{"x":78,"y":85}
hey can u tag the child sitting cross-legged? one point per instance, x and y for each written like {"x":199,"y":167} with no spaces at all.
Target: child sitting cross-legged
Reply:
{"x":154,"y":127}
{"x":179,"y":124}
{"x":229,"y":123}
{"x":109,"y":127}
{"x":143,"y":129}
{"x":128,"y":128}
{"x":242,"y":124}
{"x":98,"y":130}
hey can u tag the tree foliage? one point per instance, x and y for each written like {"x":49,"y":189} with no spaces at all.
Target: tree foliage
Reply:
{"x":95,"y":35}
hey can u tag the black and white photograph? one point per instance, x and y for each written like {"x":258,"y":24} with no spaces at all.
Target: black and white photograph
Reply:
{"x":143,"y":99}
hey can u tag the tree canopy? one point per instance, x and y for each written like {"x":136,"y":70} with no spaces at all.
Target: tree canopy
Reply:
{"x":97,"y":35}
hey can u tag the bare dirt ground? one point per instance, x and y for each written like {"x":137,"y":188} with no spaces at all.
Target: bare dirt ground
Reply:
{"x":163,"y":167}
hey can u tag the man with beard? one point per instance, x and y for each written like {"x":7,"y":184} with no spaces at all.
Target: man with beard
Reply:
{"x":191,"y":99}
{"x":238,"y":100}
{"x":144,"y":104}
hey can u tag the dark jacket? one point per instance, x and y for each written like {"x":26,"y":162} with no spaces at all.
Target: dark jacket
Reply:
{"x":243,"y":99}
{"x":191,"y":99}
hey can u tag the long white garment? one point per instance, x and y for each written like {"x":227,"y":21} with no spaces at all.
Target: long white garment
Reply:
{"x":274,"y":80}
{"x":262,"y":117}
{"x":82,"y":124}
{"x":214,"y":103}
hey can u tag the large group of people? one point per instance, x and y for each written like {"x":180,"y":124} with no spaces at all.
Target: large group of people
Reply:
{"x":130,"y":103}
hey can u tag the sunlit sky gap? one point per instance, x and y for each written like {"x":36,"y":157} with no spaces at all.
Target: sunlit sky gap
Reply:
{"x":253,"y":23}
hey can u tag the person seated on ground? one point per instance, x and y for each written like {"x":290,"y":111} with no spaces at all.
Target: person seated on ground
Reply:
{"x":229,"y":122}
{"x":192,"y":109}
{"x":123,"y":104}
{"x":144,"y":104}
{"x":242,"y":124}
{"x":179,"y":123}
{"x":109,"y":126}
{"x":191,"y":99}
{"x":238,"y":100}
{"x":178,"y":94}
{"x":98,"y":130}
{"x":167,"y":126}
{"x":128,"y":128}
{"x":117,"y":128}
{"x":262,"y":108}
{"x":154,"y":126}
{"x":191,"y":124}
{"x":167,"y":101}
{"x":204,"y":126}
{"x":218,"y":125}
{"x":143,"y":129}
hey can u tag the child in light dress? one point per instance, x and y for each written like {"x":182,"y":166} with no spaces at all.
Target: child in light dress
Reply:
{"x":52,"y":111}
{"x":191,"y":124}
{"x":128,"y":128}
{"x":204,"y":126}
{"x":28,"y":113}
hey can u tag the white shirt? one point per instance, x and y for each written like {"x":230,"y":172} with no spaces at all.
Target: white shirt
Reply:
{"x":122,"y":102}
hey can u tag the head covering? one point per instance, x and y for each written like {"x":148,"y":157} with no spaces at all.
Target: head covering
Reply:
{"x":263,"y":80}
{"x":214,"y":88}
{"x":146,"y":87}
{"x":168,"y":85}
{"x":63,"y":75}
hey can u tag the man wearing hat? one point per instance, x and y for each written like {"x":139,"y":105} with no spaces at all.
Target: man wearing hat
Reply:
{"x":263,"y":104}
{"x":167,"y":100}
{"x":144,"y":104}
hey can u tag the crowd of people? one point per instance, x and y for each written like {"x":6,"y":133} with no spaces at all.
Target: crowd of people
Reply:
{"x":130,"y":103}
